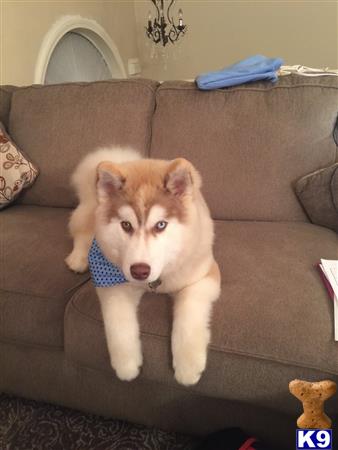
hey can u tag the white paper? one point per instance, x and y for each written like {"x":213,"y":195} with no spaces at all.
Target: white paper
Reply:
{"x":335,"y":312}
{"x":307,"y":71}
{"x":330,"y":270}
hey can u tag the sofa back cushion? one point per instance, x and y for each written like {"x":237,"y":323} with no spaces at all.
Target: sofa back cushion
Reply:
{"x":250,"y":142}
{"x":57,"y":125}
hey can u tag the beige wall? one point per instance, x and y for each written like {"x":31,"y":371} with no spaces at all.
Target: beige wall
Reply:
{"x":25,"y":23}
{"x":222,"y":32}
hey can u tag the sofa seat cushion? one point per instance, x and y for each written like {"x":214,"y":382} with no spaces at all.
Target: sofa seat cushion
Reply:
{"x":273,"y":322}
{"x":35,"y":283}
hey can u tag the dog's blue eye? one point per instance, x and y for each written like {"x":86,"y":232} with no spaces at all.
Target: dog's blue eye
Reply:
{"x":161,"y":225}
{"x":127,"y":226}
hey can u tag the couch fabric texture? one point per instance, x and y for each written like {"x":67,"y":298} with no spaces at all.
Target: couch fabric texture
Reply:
{"x":72,"y":121}
{"x":273,"y":321}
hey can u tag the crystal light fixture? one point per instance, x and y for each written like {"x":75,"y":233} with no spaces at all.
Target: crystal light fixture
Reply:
{"x":157,"y":28}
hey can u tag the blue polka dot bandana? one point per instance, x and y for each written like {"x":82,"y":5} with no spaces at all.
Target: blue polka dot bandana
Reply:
{"x":103,"y":272}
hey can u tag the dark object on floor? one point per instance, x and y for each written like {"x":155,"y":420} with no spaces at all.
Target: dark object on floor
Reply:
{"x":30,"y":425}
{"x":230,"y":439}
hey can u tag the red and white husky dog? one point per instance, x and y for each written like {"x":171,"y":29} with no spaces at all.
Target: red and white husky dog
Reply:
{"x":150,"y":219}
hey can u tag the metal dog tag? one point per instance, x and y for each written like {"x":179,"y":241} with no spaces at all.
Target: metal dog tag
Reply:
{"x":154,"y":284}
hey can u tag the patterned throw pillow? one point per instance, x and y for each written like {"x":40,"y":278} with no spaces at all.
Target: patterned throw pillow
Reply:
{"x":16,"y":171}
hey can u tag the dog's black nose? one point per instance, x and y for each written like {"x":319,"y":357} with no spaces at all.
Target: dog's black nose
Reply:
{"x":140,"y":271}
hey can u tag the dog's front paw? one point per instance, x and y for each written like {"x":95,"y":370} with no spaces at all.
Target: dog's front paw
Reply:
{"x":128,"y":368}
{"x":189,"y":366}
{"x":77,"y":262}
{"x":128,"y":371}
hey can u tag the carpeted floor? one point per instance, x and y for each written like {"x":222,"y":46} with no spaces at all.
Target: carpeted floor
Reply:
{"x":30,"y":425}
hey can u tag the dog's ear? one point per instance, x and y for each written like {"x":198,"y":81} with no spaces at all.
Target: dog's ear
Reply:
{"x":181,"y":177}
{"x":109,"y":179}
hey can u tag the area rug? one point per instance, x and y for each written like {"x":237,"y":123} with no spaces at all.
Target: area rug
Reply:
{"x":30,"y":425}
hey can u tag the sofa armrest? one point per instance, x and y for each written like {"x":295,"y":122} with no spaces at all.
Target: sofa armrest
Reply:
{"x":5,"y":102}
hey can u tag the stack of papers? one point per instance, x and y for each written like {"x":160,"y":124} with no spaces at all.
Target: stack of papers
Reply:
{"x":328,"y":270}
{"x":307,"y":71}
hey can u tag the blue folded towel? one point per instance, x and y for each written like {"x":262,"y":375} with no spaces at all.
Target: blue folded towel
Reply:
{"x":255,"y":68}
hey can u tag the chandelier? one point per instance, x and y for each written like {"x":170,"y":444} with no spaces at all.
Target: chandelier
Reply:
{"x":161,"y":29}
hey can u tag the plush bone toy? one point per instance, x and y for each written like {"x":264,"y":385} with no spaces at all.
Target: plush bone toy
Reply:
{"x":313,"y":396}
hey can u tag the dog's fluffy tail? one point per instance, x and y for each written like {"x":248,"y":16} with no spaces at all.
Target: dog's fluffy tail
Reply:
{"x":84,"y":176}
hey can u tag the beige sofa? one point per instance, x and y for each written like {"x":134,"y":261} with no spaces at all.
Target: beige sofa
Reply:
{"x":273,"y":322}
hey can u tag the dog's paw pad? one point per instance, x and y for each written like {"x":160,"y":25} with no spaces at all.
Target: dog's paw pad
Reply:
{"x":77,"y":262}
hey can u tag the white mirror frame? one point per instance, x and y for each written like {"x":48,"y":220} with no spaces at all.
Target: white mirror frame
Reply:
{"x":92,"y":31}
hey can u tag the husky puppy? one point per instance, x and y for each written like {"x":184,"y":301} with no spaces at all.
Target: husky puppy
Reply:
{"x":149,"y":218}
